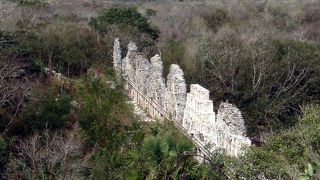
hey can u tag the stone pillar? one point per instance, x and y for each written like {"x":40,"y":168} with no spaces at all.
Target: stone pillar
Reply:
{"x":141,"y":74}
{"x":176,"y":95}
{"x":129,"y":63}
{"x":117,"y":57}
{"x":199,"y":117}
{"x":157,"y":87}
{"x":230,"y":119}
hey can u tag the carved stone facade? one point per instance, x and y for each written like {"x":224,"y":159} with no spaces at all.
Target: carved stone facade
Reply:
{"x":191,"y":112}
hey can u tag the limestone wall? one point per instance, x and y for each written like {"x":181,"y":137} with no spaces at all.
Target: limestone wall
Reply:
{"x":225,"y":131}
{"x":192,"y":112}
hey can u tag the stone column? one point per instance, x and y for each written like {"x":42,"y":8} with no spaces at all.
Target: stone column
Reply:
{"x":230,"y":119}
{"x":157,"y":87}
{"x":129,"y":62}
{"x":117,"y":57}
{"x":176,"y":95}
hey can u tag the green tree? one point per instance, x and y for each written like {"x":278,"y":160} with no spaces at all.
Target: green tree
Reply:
{"x":129,"y":25}
{"x":123,"y":17}
{"x":267,"y":79}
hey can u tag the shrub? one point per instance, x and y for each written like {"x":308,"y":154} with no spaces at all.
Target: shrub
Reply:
{"x":103,"y":112}
{"x":174,"y":54}
{"x":166,"y":156}
{"x":4,"y":119}
{"x":255,"y":163}
{"x":283,"y":154}
{"x":129,"y":25}
{"x":49,"y":156}
{"x":32,"y":3}
{"x":70,"y":50}
{"x":150,"y":12}
{"x":282,"y":73}
{"x":48,"y":111}
{"x":124,"y":18}
{"x":217,"y":19}
{"x":51,"y":112}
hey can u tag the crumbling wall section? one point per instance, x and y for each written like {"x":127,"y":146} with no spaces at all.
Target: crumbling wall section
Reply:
{"x":157,"y":85}
{"x":176,"y":94}
{"x":117,"y":56}
{"x":199,"y":116}
{"x":225,"y":131}
{"x":128,"y":64}
{"x":193,"y":111}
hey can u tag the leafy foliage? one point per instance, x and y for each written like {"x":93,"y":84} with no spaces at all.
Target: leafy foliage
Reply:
{"x":166,"y":156}
{"x":129,"y":25}
{"x":217,"y":19}
{"x":308,"y":172}
{"x":124,"y":17}
{"x":283,"y":152}
{"x":267,"y":79}
{"x":150,"y":12}
{"x":49,"y":111}
{"x":174,"y":54}
{"x":70,"y":50}
{"x":103,"y":112}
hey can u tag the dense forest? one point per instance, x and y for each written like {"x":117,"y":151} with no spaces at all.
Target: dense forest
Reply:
{"x":263,"y":56}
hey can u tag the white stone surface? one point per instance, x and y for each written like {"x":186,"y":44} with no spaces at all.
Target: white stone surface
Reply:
{"x":157,"y":85}
{"x":230,"y":119}
{"x":117,"y":56}
{"x":176,"y":95}
{"x":224,"y":131}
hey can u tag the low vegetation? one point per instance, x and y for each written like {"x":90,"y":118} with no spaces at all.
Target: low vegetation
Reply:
{"x":262,"y":56}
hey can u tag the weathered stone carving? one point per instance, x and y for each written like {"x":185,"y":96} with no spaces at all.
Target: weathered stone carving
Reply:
{"x":226,"y":131}
{"x":230,"y":119}
{"x":128,"y":63}
{"x":117,"y":56}
{"x":193,"y":111}
{"x":157,"y":85}
{"x":199,"y":117}
{"x":142,"y":73}
{"x":176,"y":95}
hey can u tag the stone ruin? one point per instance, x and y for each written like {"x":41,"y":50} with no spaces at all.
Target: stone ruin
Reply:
{"x":192,"y":112}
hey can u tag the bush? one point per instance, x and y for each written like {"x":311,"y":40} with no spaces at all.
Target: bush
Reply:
{"x":174,"y":54}
{"x":48,"y":111}
{"x":166,"y":156}
{"x":4,"y":119}
{"x":129,"y":25}
{"x":103,"y":112}
{"x":257,"y":162}
{"x":33,"y":3}
{"x":150,"y":12}
{"x":49,"y":156}
{"x":282,"y":73}
{"x":283,"y":154}
{"x":70,"y":50}
{"x":217,"y":19}
{"x":124,"y":18}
